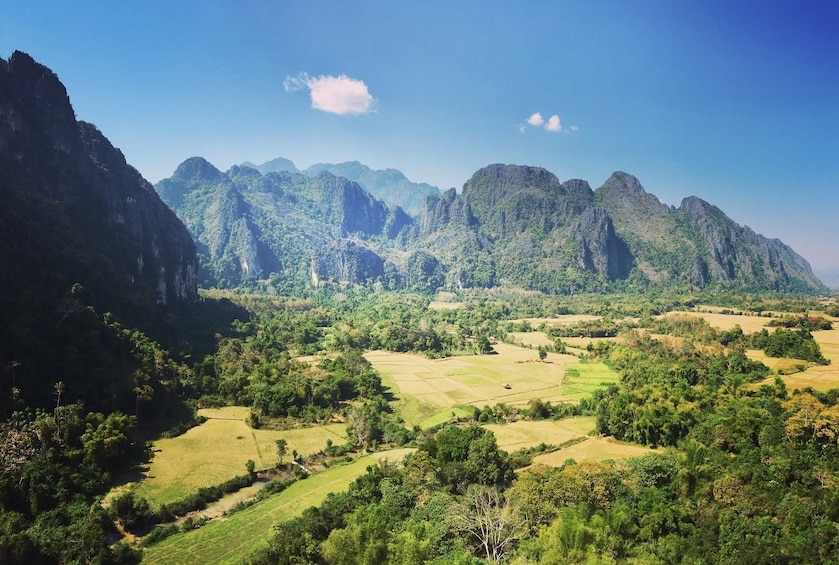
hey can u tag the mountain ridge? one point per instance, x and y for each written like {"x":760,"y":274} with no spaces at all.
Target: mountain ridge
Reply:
{"x":88,"y":247}
{"x":389,"y":185}
{"x":512,"y":225}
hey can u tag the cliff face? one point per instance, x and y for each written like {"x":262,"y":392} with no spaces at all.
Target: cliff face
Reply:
{"x":298,"y":229}
{"x":86,"y":247}
{"x":734,"y":254}
{"x":511,"y":225}
{"x":52,"y":158}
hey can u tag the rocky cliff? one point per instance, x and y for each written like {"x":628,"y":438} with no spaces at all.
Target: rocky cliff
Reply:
{"x":48,"y":157}
{"x":510,"y":225}
{"x":88,"y":253}
{"x":251,"y":226}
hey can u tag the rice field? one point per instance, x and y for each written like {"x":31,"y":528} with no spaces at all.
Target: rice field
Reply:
{"x":229,"y":540}
{"x":592,"y":449}
{"x":430,"y":389}
{"x":820,"y":377}
{"x":218,"y":450}
{"x":749,"y":324}
{"x":530,"y":433}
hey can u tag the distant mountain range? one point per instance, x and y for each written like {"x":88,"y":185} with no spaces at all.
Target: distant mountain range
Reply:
{"x":511,"y":225}
{"x":389,"y":185}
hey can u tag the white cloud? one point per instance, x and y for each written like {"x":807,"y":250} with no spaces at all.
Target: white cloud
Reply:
{"x":535,"y":120}
{"x":337,"y":95}
{"x":553,"y":123}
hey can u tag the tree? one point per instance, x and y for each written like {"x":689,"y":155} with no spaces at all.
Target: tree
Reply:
{"x":484,"y":346}
{"x":487,"y":516}
{"x":282,"y":444}
{"x":543,"y":353}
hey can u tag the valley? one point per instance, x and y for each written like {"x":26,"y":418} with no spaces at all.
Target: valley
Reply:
{"x":270,"y":366}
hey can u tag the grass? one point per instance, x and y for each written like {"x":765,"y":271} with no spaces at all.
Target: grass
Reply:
{"x":231,"y":539}
{"x":530,"y":433}
{"x":428,"y":390}
{"x":819,"y":377}
{"x":749,"y":324}
{"x":592,"y":449}
{"x":218,"y":449}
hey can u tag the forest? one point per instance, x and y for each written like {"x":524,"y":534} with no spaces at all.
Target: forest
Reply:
{"x":741,"y":467}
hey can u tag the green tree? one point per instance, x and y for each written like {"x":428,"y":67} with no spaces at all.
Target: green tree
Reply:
{"x":282,"y":445}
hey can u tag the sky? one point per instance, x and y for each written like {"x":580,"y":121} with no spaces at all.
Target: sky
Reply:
{"x":736,"y":102}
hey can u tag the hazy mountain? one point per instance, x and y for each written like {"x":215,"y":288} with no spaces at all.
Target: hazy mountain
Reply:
{"x":390,"y":185}
{"x":278,"y":165}
{"x":511,"y":225}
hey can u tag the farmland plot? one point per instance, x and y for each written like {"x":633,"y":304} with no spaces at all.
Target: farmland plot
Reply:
{"x":185,"y":463}
{"x":427,"y":388}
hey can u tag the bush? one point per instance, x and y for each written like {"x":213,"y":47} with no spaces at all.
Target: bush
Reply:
{"x":132,"y":511}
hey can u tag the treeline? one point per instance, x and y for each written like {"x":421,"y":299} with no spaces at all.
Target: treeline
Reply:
{"x":781,"y":342}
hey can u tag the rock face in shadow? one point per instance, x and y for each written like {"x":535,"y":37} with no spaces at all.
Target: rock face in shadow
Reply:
{"x":49,"y":159}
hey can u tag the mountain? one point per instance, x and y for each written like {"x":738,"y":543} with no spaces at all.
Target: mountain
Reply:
{"x":83,"y":234}
{"x":511,"y":225}
{"x":250,"y":226}
{"x":278,"y":165}
{"x":49,"y":157}
{"x":389,"y":185}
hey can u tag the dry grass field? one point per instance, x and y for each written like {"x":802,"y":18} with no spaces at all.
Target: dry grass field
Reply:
{"x":530,"y":433}
{"x":820,"y":377}
{"x":749,"y":324}
{"x":218,"y":449}
{"x":427,"y":388}
{"x":592,"y":449}
{"x":558,"y":321}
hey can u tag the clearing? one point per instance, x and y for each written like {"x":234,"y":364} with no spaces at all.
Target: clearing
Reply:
{"x":218,"y":450}
{"x":429,"y":389}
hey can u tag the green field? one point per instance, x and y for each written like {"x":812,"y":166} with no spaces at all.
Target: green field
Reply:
{"x":428,"y":389}
{"x":218,"y":450}
{"x":229,"y":540}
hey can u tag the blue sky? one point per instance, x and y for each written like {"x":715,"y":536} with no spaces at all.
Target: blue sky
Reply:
{"x":734,"y":102}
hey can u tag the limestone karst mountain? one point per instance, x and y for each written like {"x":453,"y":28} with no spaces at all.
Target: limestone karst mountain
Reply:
{"x":87,"y":248}
{"x":510,"y":225}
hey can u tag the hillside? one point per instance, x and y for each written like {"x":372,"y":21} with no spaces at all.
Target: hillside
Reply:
{"x":287,"y":226}
{"x":511,"y":225}
{"x":83,"y":234}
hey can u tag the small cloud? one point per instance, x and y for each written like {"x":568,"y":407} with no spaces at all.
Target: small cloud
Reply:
{"x":554,"y":124}
{"x":340,"y":95}
{"x":535,"y":120}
